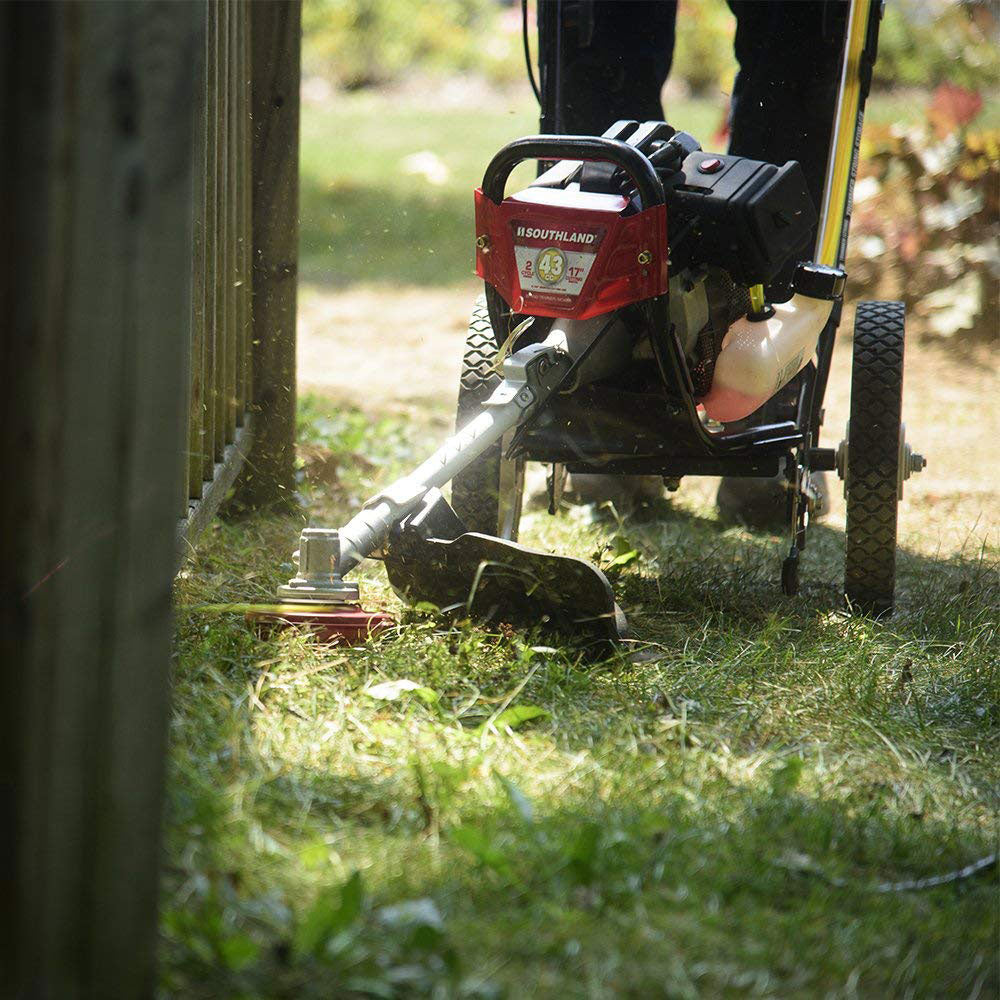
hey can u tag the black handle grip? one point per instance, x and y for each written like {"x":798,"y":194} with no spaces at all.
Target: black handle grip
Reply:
{"x":818,"y":282}
{"x":576,"y":147}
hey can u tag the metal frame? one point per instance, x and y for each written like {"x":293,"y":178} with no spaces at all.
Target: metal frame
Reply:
{"x":536,"y":370}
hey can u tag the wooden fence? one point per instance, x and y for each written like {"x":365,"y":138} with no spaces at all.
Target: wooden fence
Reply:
{"x":219,"y":422}
{"x":243,"y":259}
{"x":148,"y":191}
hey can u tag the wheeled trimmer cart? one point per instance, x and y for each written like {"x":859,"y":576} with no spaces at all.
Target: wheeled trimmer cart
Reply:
{"x":625,"y":329}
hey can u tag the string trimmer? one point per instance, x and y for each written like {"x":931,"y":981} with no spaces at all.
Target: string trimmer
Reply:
{"x":626,"y":329}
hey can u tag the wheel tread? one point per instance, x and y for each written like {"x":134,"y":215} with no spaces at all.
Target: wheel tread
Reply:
{"x":873,"y":493}
{"x":475,"y":492}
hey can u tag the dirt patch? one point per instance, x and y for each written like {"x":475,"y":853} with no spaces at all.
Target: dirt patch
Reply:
{"x":384,"y":350}
{"x":952,"y":419}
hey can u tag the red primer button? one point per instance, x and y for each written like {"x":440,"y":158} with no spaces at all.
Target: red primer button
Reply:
{"x":712,"y":166}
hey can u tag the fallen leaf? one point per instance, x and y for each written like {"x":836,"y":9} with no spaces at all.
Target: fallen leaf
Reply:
{"x":479,"y":846}
{"x":334,"y":911}
{"x":625,"y":552}
{"x":412,"y":913}
{"x":521,"y":803}
{"x":394,"y":690}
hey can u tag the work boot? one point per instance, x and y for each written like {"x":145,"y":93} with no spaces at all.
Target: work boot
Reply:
{"x":763,"y":503}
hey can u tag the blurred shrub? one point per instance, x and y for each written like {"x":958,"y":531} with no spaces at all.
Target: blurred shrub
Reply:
{"x":703,"y":53}
{"x":924,"y":229}
{"x":361,"y":43}
{"x":923,"y":43}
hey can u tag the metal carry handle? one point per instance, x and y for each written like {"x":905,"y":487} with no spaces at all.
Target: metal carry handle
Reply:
{"x":578,"y":147}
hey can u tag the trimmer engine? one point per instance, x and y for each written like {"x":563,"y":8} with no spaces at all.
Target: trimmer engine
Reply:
{"x":626,"y":330}
{"x":581,"y":241}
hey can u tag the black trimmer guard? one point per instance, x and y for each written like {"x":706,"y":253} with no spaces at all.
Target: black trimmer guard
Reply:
{"x":432,"y":558}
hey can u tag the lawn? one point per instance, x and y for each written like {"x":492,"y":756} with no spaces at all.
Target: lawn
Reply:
{"x":740,"y":802}
{"x":365,"y":218}
{"x":720,"y":809}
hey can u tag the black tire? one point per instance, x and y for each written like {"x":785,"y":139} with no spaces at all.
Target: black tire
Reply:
{"x":873,"y":456}
{"x":486,"y":496}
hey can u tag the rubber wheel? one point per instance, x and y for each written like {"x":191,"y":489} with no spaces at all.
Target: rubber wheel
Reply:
{"x":487,"y":495}
{"x":873,"y":455}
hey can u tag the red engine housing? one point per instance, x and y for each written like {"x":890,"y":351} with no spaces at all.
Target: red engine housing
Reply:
{"x":574,"y":254}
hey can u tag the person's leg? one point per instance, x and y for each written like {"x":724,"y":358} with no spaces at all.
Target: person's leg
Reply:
{"x":603,"y":60}
{"x":785,"y":94}
{"x":783,"y":104}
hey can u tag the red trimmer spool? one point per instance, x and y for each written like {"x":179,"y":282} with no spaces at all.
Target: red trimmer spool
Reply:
{"x":335,"y":624}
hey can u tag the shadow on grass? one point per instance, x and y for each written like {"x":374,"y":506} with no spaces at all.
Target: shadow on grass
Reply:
{"x":699,"y":565}
{"x":352,"y":232}
{"x":666,"y":875}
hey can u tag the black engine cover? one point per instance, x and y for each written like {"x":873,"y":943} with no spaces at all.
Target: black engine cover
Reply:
{"x":746,"y":216}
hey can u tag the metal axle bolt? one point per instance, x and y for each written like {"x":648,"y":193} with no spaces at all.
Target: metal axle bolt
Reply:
{"x":909,"y":460}
{"x":645,"y":257}
{"x":909,"y":463}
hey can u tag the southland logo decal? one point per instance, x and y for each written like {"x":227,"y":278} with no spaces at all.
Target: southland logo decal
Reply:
{"x":553,"y":264}
{"x":555,"y":235}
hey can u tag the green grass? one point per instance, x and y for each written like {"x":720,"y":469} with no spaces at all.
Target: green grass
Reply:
{"x":364,"y":220}
{"x":709,"y":812}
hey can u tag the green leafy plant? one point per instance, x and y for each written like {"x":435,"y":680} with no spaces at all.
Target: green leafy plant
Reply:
{"x":924,"y":222}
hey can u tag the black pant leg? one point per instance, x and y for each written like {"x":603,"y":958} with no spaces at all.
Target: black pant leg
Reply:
{"x":603,"y":60}
{"x":785,"y":95}
{"x":784,"y":99}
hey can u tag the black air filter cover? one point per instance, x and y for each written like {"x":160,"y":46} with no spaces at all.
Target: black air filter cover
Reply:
{"x":746,"y":216}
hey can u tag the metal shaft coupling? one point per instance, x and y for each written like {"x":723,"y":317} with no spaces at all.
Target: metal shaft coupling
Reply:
{"x":318,"y":579}
{"x":530,"y":376}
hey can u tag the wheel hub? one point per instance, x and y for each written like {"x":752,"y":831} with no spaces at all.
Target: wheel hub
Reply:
{"x":910,"y":462}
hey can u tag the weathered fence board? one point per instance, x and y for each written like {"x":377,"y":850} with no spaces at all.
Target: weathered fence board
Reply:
{"x":243,"y":225}
{"x":275,"y":30}
{"x":132,"y":188}
{"x":245,"y":328}
{"x":222,"y":114}
{"x":199,"y":372}
{"x":96,"y":310}
{"x":231,"y":275}
{"x":210,"y":321}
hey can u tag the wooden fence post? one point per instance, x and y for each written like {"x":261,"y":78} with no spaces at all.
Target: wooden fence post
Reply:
{"x":95,"y":306}
{"x":275,"y":35}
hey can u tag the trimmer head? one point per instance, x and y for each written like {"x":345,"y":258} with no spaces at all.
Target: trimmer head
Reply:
{"x":318,"y":598}
{"x":432,"y":558}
